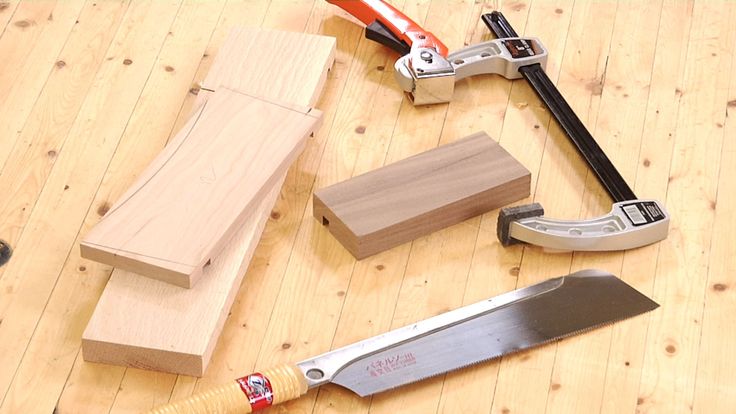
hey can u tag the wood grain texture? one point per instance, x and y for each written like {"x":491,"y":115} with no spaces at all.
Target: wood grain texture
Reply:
{"x":685,"y":157}
{"x":176,"y":329}
{"x":411,"y":198}
{"x":181,"y":338}
{"x":619,"y":131}
{"x":624,"y":368}
{"x":670,"y":364}
{"x":28,"y":283}
{"x":185,"y":208}
{"x":560,"y":188}
{"x":30,"y":46}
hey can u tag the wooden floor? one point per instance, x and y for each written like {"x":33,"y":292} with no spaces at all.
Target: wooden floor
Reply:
{"x":91,"y":91}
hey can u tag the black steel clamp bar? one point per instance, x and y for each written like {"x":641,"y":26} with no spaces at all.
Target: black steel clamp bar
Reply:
{"x":604,"y":169}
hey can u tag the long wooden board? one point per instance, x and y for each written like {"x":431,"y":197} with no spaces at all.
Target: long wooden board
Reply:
{"x":395,"y":204}
{"x":196,"y":194}
{"x":142,"y":322}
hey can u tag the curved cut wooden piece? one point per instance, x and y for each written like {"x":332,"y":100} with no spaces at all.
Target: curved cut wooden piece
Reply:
{"x":174,"y":221}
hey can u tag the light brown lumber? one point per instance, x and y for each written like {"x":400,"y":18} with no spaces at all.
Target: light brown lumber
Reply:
{"x":185,"y":208}
{"x":668,"y":382}
{"x":245,"y":329}
{"x":166,"y":342}
{"x":416,"y":196}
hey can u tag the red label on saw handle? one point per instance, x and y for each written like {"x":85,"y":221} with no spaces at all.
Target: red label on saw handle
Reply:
{"x":257,"y":389}
{"x":404,"y":28}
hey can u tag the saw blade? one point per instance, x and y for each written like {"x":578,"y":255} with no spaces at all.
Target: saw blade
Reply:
{"x":508,"y":323}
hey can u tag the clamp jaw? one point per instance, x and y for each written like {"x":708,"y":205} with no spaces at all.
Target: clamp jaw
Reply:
{"x":426,"y":71}
{"x":629,"y":224}
{"x":430,"y":78}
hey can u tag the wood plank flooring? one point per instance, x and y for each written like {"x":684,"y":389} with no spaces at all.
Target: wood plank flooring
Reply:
{"x":93,"y":89}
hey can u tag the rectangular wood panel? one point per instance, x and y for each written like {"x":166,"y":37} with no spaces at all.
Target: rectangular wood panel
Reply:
{"x":143,"y":322}
{"x":389,"y":206}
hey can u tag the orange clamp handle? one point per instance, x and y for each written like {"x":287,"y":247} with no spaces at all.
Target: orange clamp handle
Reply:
{"x":401,"y":26}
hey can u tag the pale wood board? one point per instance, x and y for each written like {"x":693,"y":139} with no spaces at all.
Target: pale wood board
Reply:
{"x":389,"y":206}
{"x":47,"y":292}
{"x":182,"y":340}
{"x":184,"y":209}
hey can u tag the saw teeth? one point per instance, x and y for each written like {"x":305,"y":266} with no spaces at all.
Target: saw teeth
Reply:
{"x":496,"y":356}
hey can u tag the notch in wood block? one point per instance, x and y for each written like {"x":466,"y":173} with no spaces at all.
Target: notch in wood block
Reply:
{"x":397,"y":203}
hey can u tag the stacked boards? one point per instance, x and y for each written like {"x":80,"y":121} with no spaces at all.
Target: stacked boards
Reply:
{"x":254,"y":115}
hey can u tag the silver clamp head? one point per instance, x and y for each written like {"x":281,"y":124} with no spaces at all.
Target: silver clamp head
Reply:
{"x":430,"y":78}
{"x":628,"y":225}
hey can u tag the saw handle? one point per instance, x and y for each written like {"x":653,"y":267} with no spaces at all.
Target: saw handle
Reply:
{"x":406,"y":33}
{"x":244,"y":395}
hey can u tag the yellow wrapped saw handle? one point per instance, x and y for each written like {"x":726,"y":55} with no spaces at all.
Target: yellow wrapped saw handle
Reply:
{"x":244,"y":395}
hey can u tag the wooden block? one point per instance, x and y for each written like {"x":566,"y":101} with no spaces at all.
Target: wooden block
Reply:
{"x":194,"y":195}
{"x":384,"y":208}
{"x":147,"y":323}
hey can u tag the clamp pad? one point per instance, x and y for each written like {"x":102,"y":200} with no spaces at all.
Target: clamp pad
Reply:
{"x":510,"y":214}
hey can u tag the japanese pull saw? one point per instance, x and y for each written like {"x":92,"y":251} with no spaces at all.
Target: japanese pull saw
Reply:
{"x":514,"y":321}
